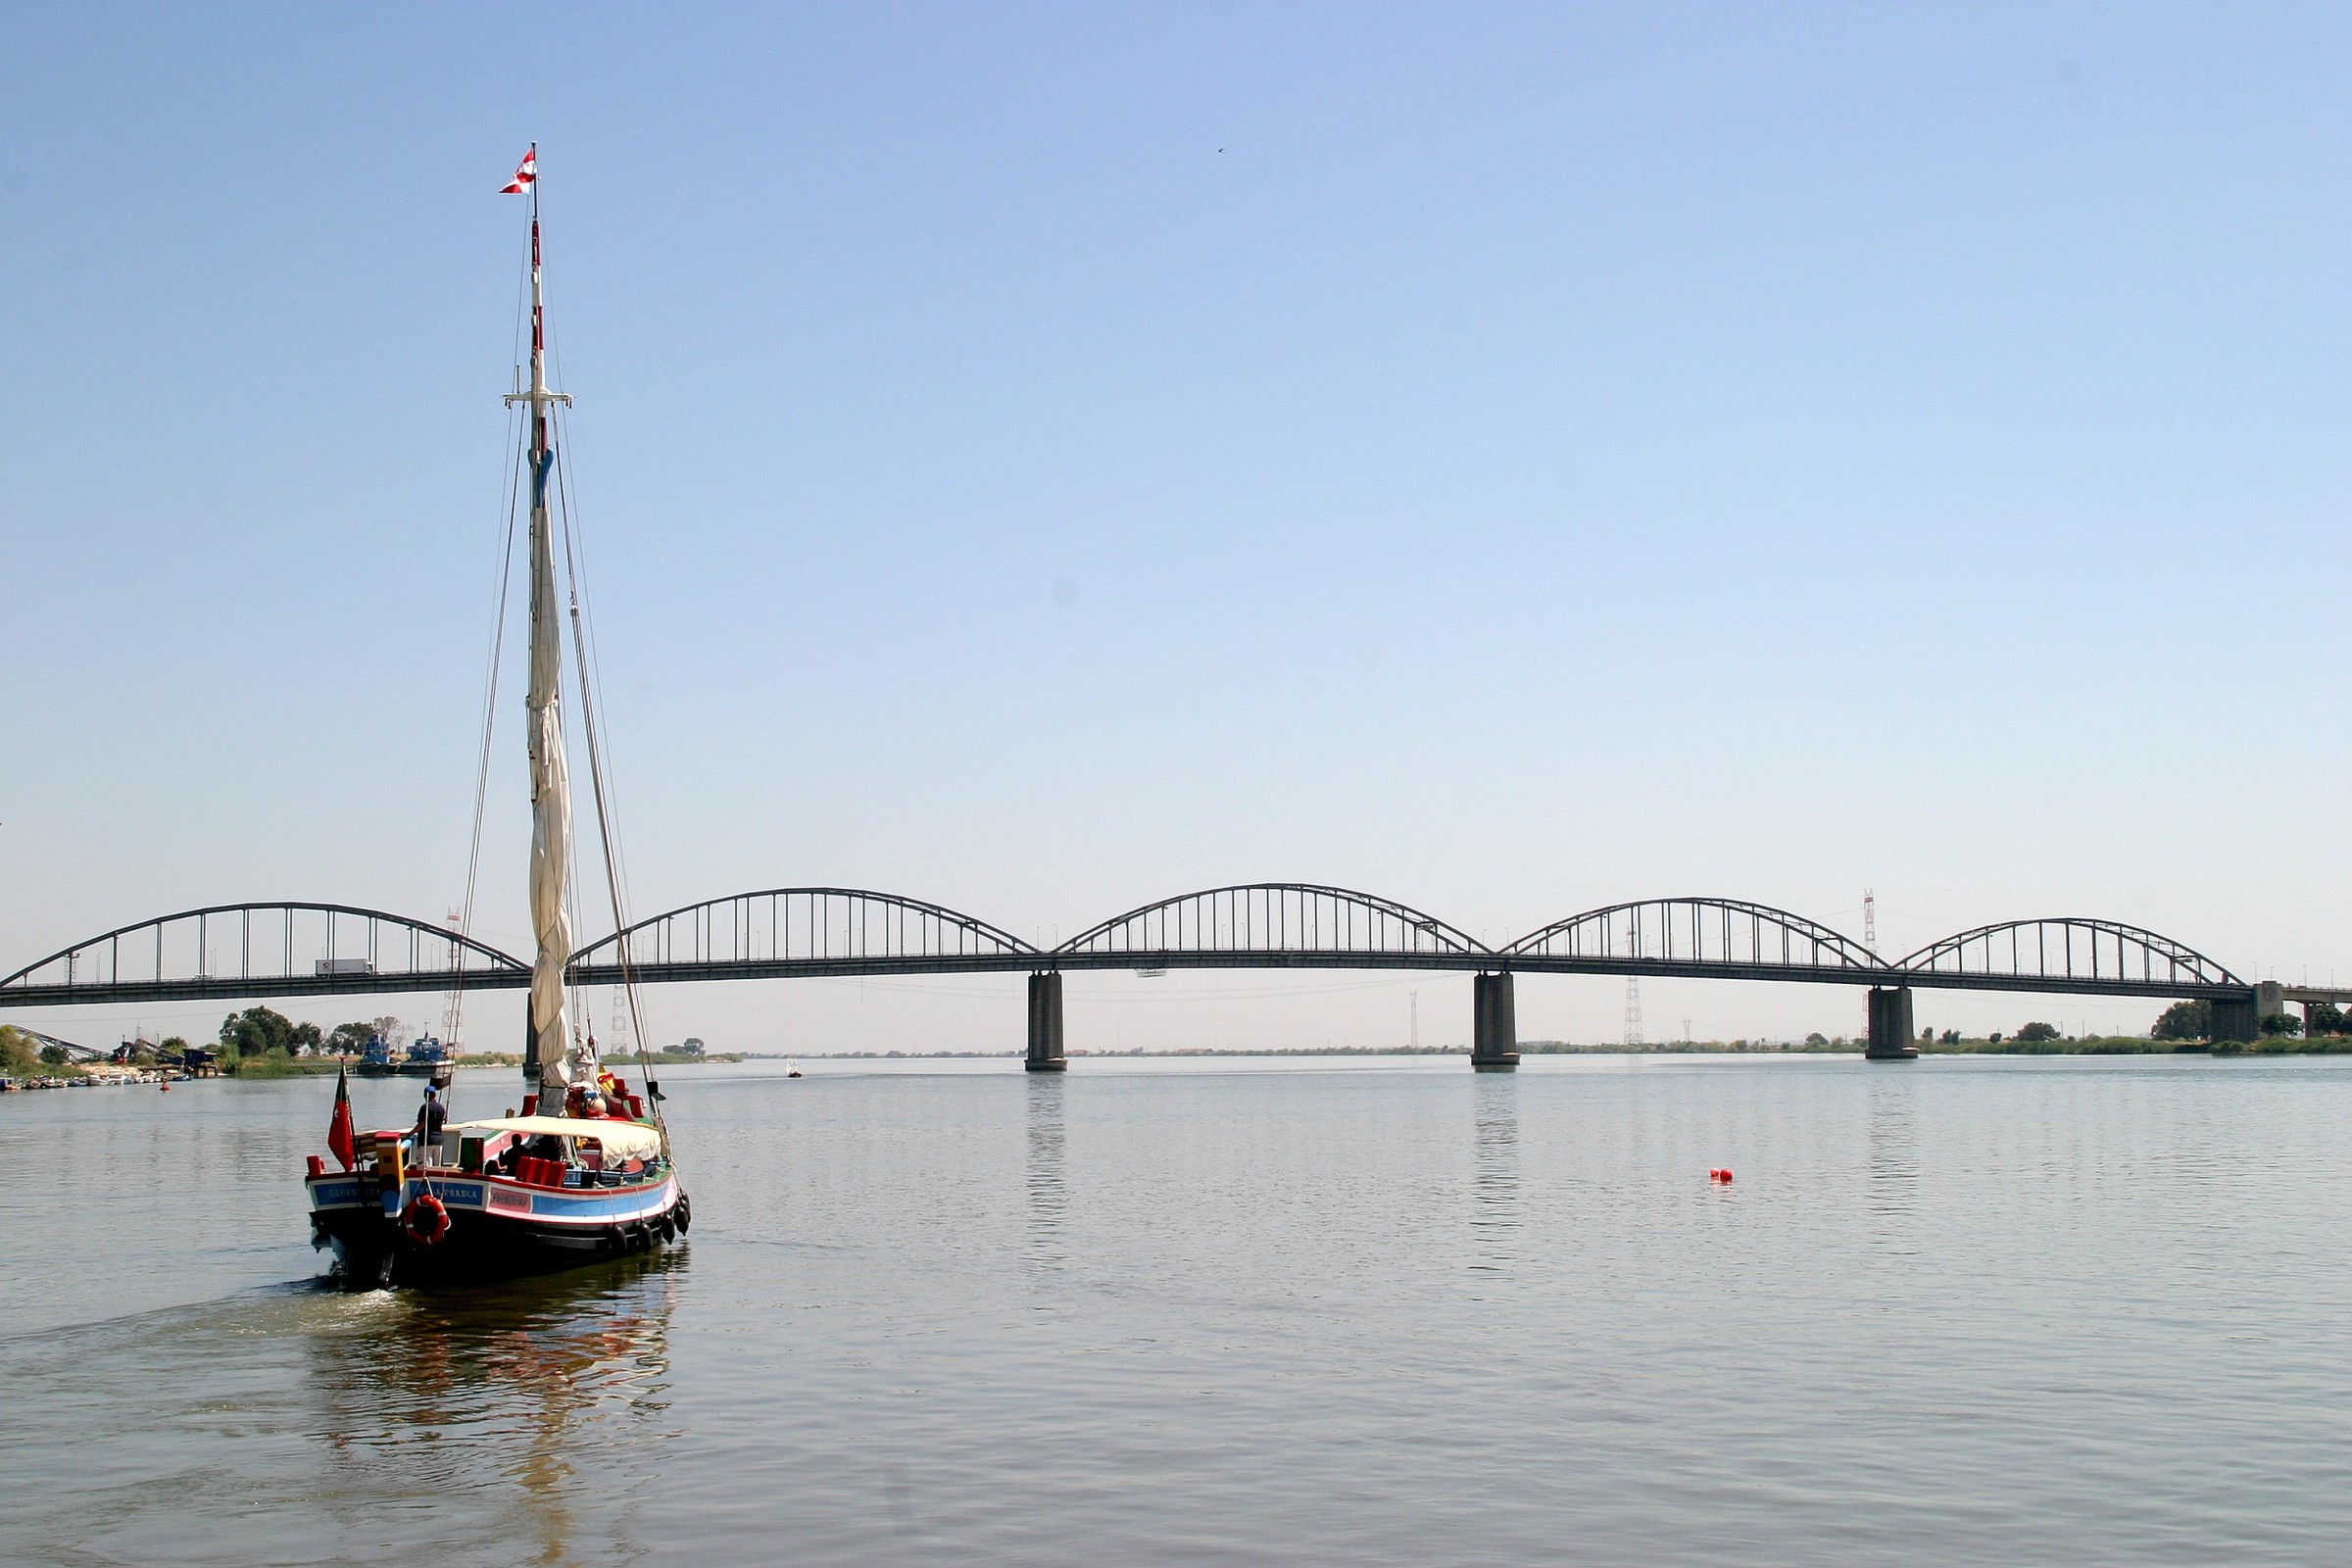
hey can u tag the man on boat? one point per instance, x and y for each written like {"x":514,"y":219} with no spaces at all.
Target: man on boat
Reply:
{"x":429,"y":1118}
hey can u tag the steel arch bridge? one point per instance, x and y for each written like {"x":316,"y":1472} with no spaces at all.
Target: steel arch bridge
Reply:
{"x":286,"y":949}
{"x":1697,"y":937}
{"x":2091,"y":956}
{"x":293,"y":949}
{"x":779,"y":932}
{"x":1286,"y":925}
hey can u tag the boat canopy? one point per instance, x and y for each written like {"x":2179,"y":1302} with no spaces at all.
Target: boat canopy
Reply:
{"x":621,"y":1140}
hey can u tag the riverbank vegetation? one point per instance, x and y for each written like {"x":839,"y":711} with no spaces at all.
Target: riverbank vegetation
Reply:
{"x":263,"y":1043}
{"x":279,"y":1065}
{"x":22,"y":1055}
{"x":2139,"y":1045}
{"x":1950,"y":1044}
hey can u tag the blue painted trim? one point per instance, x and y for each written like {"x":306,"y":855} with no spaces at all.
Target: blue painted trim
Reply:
{"x":578,"y":1206}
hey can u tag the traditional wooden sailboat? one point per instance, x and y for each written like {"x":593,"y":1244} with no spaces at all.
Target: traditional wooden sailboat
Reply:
{"x":585,"y":1170}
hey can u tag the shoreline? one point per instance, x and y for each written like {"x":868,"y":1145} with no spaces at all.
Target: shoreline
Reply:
{"x":2097,"y":1046}
{"x":269,"y":1069}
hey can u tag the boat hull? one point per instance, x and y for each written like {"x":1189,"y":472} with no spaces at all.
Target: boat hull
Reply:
{"x":498,"y":1228}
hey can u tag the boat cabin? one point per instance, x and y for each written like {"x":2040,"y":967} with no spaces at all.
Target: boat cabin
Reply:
{"x":556,"y":1150}
{"x":552,"y":1152}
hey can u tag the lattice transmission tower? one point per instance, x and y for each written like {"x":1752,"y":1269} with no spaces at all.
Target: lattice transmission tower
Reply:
{"x":1870,"y":919}
{"x":1633,"y":1012}
{"x":453,"y":1012}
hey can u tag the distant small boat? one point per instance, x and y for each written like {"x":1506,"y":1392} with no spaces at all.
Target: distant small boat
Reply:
{"x":792,"y":1069}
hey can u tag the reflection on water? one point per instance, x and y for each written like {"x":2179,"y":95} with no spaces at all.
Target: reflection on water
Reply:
{"x":529,"y":1389}
{"x":1891,"y":1134}
{"x":1048,"y":1196}
{"x":1494,"y":1169}
{"x":1220,"y":1312}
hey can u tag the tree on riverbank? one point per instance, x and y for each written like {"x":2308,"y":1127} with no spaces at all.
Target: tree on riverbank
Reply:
{"x":20,"y":1053}
{"x":2185,"y":1020}
{"x":263,"y":1031}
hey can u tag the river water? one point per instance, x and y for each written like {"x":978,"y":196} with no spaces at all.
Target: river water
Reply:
{"x":1232,"y":1311}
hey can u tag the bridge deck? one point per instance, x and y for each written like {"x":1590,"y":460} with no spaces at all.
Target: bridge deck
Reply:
{"x":676,"y":972}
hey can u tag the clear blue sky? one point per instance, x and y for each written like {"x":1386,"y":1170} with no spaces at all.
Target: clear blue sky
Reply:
{"x":1038,"y":459}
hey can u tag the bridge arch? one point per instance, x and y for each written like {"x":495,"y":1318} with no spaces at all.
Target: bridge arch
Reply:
{"x":1273,"y":918}
{"x":2070,"y":947}
{"x":778,"y":929}
{"x":238,"y":950}
{"x":1732,"y":933}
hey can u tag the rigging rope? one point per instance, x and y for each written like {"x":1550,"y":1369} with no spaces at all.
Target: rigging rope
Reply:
{"x":482,"y":773}
{"x":573,"y":574}
{"x":498,"y":644}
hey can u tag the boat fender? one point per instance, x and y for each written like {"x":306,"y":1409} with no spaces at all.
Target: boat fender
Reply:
{"x":669,"y":1227}
{"x":427,"y":1221}
{"x":615,"y":1241}
{"x":684,"y":1215}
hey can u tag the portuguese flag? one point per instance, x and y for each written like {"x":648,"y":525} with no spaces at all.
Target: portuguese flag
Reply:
{"x":339,"y":1141}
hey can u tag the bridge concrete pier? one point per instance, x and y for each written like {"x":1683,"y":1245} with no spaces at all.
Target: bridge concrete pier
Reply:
{"x":1494,"y":1024}
{"x":1891,"y":1030}
{"x":2238,"y":1018}
{"x":1045,"y":1023}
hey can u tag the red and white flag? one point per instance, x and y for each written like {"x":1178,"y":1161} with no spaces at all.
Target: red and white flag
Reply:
{"x":525,"y":175}
{"x":340,"y":1140}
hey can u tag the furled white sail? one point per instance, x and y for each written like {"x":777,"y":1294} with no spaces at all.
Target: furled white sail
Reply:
{"x":551,"y":781}
{"x":551,"y":810}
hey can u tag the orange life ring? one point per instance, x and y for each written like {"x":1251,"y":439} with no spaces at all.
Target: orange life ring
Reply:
{"x":427,"y":1221}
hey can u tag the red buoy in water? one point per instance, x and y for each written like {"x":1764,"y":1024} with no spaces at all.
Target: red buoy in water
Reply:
{"x":1727,"y":1177}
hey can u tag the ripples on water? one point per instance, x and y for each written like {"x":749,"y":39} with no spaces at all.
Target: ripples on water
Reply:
{"x":1960,"y":1311}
